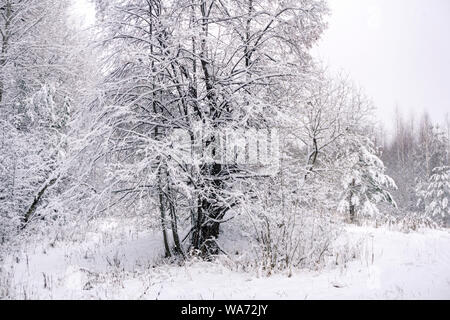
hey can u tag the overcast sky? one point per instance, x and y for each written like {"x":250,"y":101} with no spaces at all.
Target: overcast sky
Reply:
{"x":83,"y":11}
{"x":397,"y":50}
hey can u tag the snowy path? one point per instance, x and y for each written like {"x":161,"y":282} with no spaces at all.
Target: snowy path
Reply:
{"x":402,"y":266}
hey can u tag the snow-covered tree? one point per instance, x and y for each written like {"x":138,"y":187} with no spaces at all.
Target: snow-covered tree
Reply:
{"x":364,"y":181}
{"x":175,"y":65}
{"x":410,"y":156}
{"x":436,"y":194}
{"x":40,"y":78}
{"x":431,"y":153}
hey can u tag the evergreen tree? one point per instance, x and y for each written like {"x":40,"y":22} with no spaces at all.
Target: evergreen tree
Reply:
{"x":436,"y":195}
{"x":364,"y":181}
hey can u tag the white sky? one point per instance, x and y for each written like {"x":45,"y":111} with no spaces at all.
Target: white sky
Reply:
{"x":83,"y":12}
{"x":397,"y":50}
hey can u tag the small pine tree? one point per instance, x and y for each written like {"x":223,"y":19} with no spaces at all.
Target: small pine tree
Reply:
{"x":435,"y":195}
{"x":365,"y":182}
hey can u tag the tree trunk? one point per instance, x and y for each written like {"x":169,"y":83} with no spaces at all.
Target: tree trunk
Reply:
{"x":352,"y":213}
{"x":163,"y":225}
{"x":32,"y":208}
{"x":209,"y":215}
{"x":351,"y":205}
{"x":163,"y":217}
{"x":174,"y":225}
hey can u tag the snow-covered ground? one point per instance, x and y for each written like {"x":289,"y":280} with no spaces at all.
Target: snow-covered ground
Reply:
{"x":391,"y":265}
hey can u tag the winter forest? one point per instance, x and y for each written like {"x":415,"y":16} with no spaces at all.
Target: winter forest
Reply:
{"x":196,"y":149}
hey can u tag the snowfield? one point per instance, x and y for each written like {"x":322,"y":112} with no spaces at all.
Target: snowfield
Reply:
{"x":390,"y":265}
